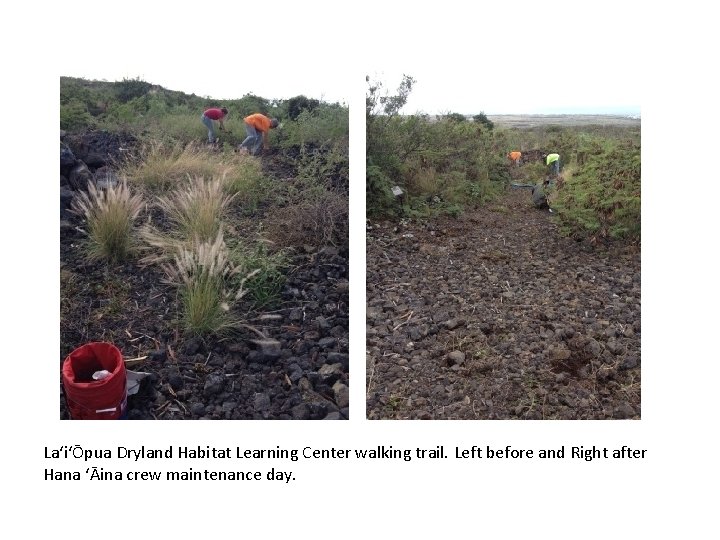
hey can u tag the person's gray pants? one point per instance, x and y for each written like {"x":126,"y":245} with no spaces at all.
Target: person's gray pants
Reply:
{"x":253,"y":141}
{"x":211,"y":128}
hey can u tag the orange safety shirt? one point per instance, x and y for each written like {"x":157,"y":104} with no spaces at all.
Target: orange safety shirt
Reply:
{"x":515,"y":156}
{"x":259,"y":122}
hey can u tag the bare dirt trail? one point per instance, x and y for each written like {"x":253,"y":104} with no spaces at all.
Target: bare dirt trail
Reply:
{"x":495,"y":315}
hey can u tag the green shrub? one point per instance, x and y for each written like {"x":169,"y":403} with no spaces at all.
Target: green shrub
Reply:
{"x":484,"y":120}
{"x":378,"y":191}
{"x":298,"y":104}
{"x":75,"y":116}
{"x":451,"y":159}
{"x":129,"y":89}
{"x":327,"y":165}
{"x":326,"y":124}
{"x":603,"y":197}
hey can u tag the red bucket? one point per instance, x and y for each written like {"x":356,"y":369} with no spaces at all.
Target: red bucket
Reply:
{"x":89,"y":399}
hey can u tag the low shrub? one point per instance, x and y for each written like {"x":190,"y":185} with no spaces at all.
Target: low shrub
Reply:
{"x":316,"y":217}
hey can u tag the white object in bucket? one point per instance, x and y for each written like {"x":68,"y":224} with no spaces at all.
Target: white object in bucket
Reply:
{"x":100,"y":375}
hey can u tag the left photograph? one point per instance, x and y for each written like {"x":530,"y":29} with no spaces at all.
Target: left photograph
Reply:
{"x":203,"y":253}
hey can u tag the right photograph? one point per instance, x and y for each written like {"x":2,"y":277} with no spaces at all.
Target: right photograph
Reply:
{"x":503,"y":256}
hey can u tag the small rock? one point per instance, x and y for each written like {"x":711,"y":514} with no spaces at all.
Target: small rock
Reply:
{"x":605,"y":373}
{"x":623,"y":411}
{"x":559,"y":353}
{"x":330,"y":373}
{"x":296,"y":373}
{"x":452,"y":324}
{"x":594,"y":348}
{"x":176,"y":381}
{"x":301,"y":412}
{"x":157,"y":356}
{"x":342,"y":394}
{"x":614,"y":347}
{"x":214,"y":384}
{"x":327,"y":342}
{"x":322,"y":323}
{"x":339,"y":358}
{"x":229,"y":406}
{"x":269,"y":349}
{"x":630,"y":362}
{"x":455,"y":358}
{"x":197,"y":409}
{"x":261,"y":402}
{"x":192,"y":346}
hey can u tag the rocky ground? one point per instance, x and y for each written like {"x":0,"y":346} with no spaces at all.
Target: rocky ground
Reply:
{"x":288,"y":362}
{"x":495,"y":315}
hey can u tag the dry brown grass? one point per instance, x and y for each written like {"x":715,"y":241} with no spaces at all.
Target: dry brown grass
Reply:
{"x":319,"y":220}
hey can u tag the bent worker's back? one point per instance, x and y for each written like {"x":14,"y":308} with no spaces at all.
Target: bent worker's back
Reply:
{"x":259,"y":122}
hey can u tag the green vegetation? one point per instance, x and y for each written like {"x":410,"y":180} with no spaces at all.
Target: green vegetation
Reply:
{"x":259,"y":271}
{"x":602,"y":197}
{"x":441,"y":164}
{"x":448,"y":163}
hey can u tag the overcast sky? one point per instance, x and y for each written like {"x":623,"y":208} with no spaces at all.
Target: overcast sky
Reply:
{"x":466,"y":58}
{"x":219,"y":49}
{"x":516,"y":58}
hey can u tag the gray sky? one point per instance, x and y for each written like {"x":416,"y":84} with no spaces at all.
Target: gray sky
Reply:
{"x":527,"y":57}
{"x":220,"y":49}
{"x":524,"y":57}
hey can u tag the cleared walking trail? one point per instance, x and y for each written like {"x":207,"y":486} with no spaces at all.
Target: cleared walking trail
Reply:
{"x":495,"y":315}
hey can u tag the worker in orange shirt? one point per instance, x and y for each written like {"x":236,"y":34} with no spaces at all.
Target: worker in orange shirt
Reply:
{"x":257,"y":127}
{"x":515,"y":156}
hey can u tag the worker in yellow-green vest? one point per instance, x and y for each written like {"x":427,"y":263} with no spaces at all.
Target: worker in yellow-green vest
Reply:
{"x":553,"y":163}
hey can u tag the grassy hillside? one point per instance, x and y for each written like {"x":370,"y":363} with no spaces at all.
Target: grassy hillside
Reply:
{"x":155,"y":113}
